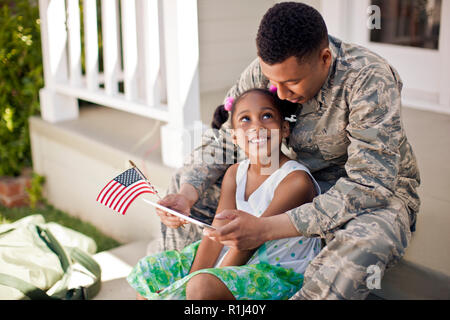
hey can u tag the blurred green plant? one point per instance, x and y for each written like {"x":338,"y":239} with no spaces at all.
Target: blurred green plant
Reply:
{"x":35,"y":190}
{"x":20,"y":80}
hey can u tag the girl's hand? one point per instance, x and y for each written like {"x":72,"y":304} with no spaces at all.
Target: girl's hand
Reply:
{"x":177,"y":202}
{"x":243,"y":231}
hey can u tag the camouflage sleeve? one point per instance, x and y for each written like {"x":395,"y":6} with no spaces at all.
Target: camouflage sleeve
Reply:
{"x":375,"y":133}
{"x":208,"y":163}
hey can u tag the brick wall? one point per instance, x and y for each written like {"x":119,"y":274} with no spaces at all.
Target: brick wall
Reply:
{"x":13,"y":190}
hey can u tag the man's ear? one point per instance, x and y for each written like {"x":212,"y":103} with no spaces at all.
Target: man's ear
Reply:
{"x":285,"y":130}
{"x":233,"y":136}
{"x":326,"y":56}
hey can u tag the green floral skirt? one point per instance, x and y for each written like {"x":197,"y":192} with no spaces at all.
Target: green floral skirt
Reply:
{"x":165,"y":276}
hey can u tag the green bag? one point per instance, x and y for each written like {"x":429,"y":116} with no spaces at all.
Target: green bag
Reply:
{"x":46,"y":261}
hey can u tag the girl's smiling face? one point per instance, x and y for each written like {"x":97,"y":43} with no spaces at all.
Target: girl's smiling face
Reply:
{"x":258,"y":128}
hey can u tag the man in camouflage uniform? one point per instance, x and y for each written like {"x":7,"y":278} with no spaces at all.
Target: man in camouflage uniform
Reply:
{"x":350,"y":136}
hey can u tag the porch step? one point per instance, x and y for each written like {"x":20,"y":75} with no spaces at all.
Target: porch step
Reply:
{"x":79,"y":157}
{"x":116,"y":264}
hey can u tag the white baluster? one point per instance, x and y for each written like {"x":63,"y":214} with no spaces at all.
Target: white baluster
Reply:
{"x":55,"y":106}
{"x":73,"y":24}
{"x":111,"y":59}
{"x":91,"y":43}
{"x":130,"y":56}
{"x":151,"y":50}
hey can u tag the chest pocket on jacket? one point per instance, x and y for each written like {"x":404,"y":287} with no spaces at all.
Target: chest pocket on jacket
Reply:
{"x":333,"y":146}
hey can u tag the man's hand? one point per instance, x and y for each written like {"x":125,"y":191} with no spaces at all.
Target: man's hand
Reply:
{"x":181,"y":202}
{"x":243,"y":232}
{"x":177,"y":202}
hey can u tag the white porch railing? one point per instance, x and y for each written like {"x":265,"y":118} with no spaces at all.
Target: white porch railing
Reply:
{"x":150,"y":47}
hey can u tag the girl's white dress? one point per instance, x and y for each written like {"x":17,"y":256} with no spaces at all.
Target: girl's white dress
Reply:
{"x":290,"y":253}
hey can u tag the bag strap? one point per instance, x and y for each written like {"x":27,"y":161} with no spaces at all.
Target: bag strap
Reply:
{"x":84,"y":260}
{"x":31,"y":291}
{"x":54,"y":245}
{"x":93,"y":267}
{"x":63,"y":292}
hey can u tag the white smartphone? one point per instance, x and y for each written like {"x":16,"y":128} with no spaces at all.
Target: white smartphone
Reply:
{"x":180,"y":215}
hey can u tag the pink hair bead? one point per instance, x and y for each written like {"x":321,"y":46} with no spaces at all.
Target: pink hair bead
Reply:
{"x":229,"y":103}
{"x":273,"y":88}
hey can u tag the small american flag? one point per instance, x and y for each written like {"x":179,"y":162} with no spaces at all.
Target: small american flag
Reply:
{"x":123,"y":190}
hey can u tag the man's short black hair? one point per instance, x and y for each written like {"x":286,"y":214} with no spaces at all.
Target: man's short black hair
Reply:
{"x":290,"y":29}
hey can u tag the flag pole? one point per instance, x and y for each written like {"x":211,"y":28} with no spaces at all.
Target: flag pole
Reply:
{"x":144,"y":178}
{"x":148,"y":182}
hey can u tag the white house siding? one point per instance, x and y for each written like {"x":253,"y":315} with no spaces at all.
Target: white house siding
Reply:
{"x":227,"y":32}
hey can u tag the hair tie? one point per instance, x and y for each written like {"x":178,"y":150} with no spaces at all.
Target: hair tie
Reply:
{"x":228,"y":103}
{"x":273,"y":88}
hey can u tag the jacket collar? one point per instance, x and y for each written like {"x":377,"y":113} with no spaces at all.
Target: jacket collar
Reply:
{"x":325,"y":91}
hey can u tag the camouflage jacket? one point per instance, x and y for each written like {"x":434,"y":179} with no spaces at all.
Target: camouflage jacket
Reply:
{"x":350,"y":136}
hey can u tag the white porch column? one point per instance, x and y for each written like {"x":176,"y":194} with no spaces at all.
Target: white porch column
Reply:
{"x":55,"y":106}
{"x":183,"y":98}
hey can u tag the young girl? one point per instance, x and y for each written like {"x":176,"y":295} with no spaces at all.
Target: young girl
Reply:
{"x":266,"y":183}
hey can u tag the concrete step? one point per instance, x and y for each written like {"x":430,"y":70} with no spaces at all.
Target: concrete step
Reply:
{"x":116,"y":264}
{"x":79,"y":157}
{"x":94,"y":148}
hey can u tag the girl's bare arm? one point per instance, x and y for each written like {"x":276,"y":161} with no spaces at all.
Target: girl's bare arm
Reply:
{"x":209,"y":250}
{"x":296,"y":189}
